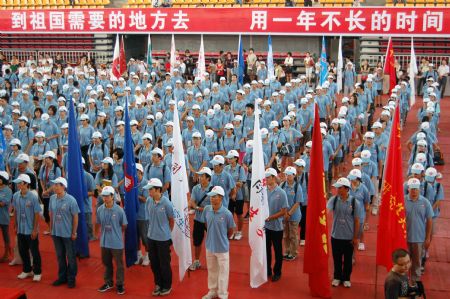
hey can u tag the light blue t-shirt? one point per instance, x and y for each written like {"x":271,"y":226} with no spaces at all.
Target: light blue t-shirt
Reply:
{"x":26,"y":206}
{"x":5,"y":197}
{"x":63,"y":210}
{"x":344,"y":214}
{"x":277,"y":199}
{"x":417,"y":214}
{"x":198,"y":193}
{"x":293,"y":197}
{"x":217,"y":224}
{"x":112,"y":221}
{"x":226,"y":181}
{"x":158,"y":219}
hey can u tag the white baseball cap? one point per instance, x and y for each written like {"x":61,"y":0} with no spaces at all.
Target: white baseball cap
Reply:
{"x":232,"y":154}
{"x":97,"y":135}
{"x":342,"y":182}
{"x":357,"y":162}
{"x":4,"y":175}
{"x":139,"y":167}
{"x":300,"y":163}
{"x":217,"y":190}
{"x":290,"y":170}
{"x":271,"y":172}
{"x":417,"y":168}
{"x":205,"y":170}
{"x":50,"y":154}
{"x":154,"y":182}
{"x":229,"y":126}
{"x":218,"y":160}
{"x":413,"y":183}
{"x":22,"y":178}
{"x":354,"y":174}
{"x":147,"y":136}
{"x":107,"y":190}
{"x":22,"y":158}
{"x":61,"y":181}
{"x":108,"y":160}
{"x":157,"y":151}
{"x":196,"y":135}
{"x":309,"y":144}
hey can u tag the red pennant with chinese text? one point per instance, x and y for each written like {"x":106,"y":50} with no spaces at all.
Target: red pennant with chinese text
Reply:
{"x":392,"y":224}
{"x":389,"y":66}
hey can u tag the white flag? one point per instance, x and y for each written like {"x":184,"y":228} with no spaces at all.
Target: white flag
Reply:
{"x":201,"y":61}
{"x":173,"y":59}
{"x":259,"y":211}
{"x":115,"y":74}
{"x":340,"y":66}
{"x":270,"y":68}
{"x":412,"y":74}
{"x":181,"y":233}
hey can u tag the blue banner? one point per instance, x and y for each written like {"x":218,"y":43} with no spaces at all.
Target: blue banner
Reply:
{"x":241,"y":61}
{"x":131,"y":194}
{"x":75,"y":182}
{"x":323,"y":63}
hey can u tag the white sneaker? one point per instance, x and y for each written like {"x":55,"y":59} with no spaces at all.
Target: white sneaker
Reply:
{"x":302,"y":242}
{"x":361,"y":247}
{"x":15,"y":262}
{"x":24,"y":275}
{"x":37,"y":277}
{"x":139,"y":257}
{"x":374,"y":211}
{"x":347,"y":284}
{"x":195,"y":265}
{"x":238,"y":236}
{"x":335,"y":282}
{"x":145,"y":260}
{"x":210,"y":296}
{"x":232,"y":237}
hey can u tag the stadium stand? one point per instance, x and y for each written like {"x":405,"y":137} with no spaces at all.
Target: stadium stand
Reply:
{"x":418,"y":3}
{"x":52,"y":4}
{"x":233,"y":3}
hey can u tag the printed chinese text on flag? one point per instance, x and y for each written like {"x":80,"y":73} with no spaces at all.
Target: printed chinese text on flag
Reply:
{"x":389,"y":65}
{"x":131,"y":194}
{"x":173,"y":58}
{"x":201,"y":61}
{"x":259,"y":211}
{"x":316,"y":242}
{"x":181,"y":233}
{"x":392,"y":230}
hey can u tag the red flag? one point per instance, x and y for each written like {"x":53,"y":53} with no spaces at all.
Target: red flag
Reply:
{"x":115,"y":64}
{"x":122,"y":59}
{"x":392,"y":225}
{"x":316,"y":245}
{"x":389,"y":66}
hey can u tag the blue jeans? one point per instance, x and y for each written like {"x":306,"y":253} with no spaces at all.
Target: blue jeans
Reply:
{"x":67,"y":262}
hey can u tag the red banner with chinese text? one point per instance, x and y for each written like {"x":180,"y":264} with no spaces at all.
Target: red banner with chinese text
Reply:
{"x":316,"y":242}
{"x":391,"y":232}
{"x":334,"y":21}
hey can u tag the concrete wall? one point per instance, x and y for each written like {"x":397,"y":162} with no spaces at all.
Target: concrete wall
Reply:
{"x":136,"y":45}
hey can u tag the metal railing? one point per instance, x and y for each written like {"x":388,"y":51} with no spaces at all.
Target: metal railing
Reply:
{"x":403,"y":59}
{"x":70,"y":56}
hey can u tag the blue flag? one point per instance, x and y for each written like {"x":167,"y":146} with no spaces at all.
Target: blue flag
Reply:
{"x":323,"y":63}
{"x":75,"y":182}
{"x":2,"y":150}
{"x":131,"y":194}
{"x":241,"y":62}
{"x":270,"y":68}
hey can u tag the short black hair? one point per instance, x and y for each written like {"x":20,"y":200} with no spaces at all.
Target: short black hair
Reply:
{"x":250,"y":105}
{"x":399,"y":253}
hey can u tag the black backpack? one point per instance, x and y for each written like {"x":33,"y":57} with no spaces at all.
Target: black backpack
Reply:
{"x":334,"y":198}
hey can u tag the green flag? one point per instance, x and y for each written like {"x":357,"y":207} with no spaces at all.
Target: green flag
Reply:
{"x":149,"y":51}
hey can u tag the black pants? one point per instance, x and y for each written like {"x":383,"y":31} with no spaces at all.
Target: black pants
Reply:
{"x":442,"y":83}
{"x":159,"y":253}
{"x":67,"y":260}
{"x":26,"y":244}
{"x":275,"y":239}
{"x":46,"y":202}
{"x":303,"y":223}
{"x":342,"y":254}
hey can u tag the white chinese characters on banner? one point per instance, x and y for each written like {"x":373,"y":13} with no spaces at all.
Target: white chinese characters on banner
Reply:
{"x":354,"y":20}
{"x":406,"y":21}
{"x":57,"y":20}
{"x":116,"y":20}
{"x":19,"y":20}
{"x":331,"y":19}
{"x":37,"y":21}
{"x":381,"y":21}
{"x":306,"y":19}
{"x":96,"y":20}
{"x":180,"y":19}
{"x":138,"y":20}
{"x":433,"y":19}
{"x":76,"y":20}
{"x":160,"y":20}
{"x":259,"y":20}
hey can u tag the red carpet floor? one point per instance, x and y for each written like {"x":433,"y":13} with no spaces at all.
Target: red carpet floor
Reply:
{"x":294,"y":284}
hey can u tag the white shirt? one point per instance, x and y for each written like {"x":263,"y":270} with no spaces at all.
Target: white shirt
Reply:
{"x":443,"y":70}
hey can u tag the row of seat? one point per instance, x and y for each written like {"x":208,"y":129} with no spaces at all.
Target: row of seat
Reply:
{"x":52,"y":4}
{"x":419,"y":3}
{"x":232,"y":3}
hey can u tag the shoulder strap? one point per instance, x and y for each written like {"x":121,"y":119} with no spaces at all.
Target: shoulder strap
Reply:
{"x":205,"y":196}
{"x":334,"y":198}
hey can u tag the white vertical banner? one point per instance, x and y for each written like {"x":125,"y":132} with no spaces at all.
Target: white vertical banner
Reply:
{"x":340,"y":66}
{"x":173,"y":59}
{"x":201,"y":60}
{"x":181,"y":233}
{"x":259,"y":210}
{"x":115,"y":64}
{"x":270,"y":68}
{"x":412,"y":74}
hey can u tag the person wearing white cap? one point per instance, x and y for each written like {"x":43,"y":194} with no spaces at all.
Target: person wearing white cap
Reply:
{"x":302,"y":178}
{"x":157,"y":169}
{"x":349,"y":78}
{"x":238,"y":105}
{"x":25,"y":134}
{"x":361,"y":193}
{"x":219,"y":228}
{"x":27,"y":209}
{"x":85,"y":132}
{"x":119,"y":135}
{"x":167,"y":135}
{"x":239,"y":176}
{"x":278,"y":205}
{"x":105,"y":177}
{"x":51,"y":131}
{"x":5,"y":202}
{"x":419,"y":215}
{"x":145,"y":153}
{"x":141,"y":218}
{"x":223,"y":179}
{"x":187,"y":132}
{"x":10,"y":155}
{"x":111,"y":221}
{"x":159,"y":237}
{"x":48,"y":172}
{"x":293,"y":215}
{"x":97,"y":151}
{"x":431,"y":176}
{"x":64,"y":211}
{"x":346,"y":209}
{"x":199,"y":200}
{"x":197,"y":158}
